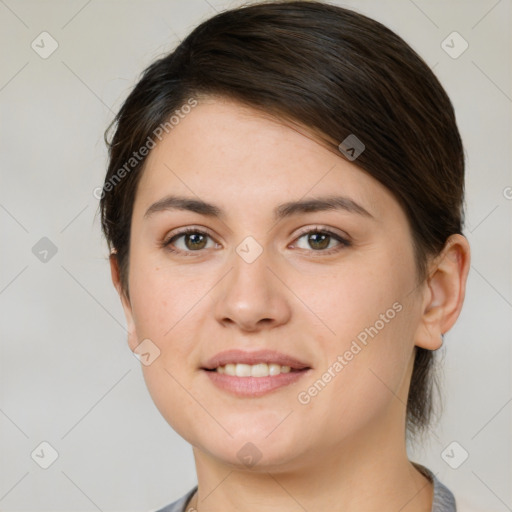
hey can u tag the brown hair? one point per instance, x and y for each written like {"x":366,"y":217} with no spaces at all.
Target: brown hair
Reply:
{"x":334,"y":71}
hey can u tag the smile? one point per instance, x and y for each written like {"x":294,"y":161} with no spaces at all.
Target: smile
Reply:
{"x":255,"y":373}
{"x":252,"y":370}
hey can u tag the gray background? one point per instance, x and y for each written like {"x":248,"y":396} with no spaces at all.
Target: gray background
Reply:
{"x":67,"y":375}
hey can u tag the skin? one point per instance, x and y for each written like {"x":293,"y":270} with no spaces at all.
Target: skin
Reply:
{"x":345,"y":449}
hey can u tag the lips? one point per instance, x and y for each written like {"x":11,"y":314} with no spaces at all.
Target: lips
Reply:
{"x":253,"y":358}
{"x":228,"y":371}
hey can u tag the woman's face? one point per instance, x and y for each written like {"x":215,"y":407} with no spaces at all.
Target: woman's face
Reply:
{"x":278,"y":282}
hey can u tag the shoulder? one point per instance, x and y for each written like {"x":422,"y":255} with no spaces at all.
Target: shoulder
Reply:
{"x":444,"y":500}
{"x":179,"y":505}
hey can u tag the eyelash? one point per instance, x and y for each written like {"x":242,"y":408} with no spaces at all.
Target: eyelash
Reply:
{"x":167,"y":243}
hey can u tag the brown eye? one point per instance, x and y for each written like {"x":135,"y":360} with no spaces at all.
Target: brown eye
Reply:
{"x":189,"y":240}
{"x":321,"y":240}
{"x":195,"y":241}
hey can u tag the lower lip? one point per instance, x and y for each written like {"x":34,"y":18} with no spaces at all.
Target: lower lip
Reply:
{"x":253,"y":386}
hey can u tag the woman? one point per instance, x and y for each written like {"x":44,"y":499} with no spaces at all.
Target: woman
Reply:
{"x":284,"y":208}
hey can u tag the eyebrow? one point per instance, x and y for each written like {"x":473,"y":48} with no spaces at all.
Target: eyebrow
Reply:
{"x":315,"y":204}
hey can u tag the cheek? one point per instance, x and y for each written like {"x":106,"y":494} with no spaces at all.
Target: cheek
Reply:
{"x":164,"y":320}
{"x":163,"y":297}
{"x":362,"y":380}
{"x":362,"y":301}
{"x":169,"y":308}
{"x":373,"y":314}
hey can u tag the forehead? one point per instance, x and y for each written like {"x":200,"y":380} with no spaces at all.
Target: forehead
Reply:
{"x":238,"y":155}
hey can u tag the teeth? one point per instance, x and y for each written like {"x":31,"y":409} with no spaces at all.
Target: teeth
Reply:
{"x":243,"y":370}
{"x":230,"y":369}
{"x":254,"y":370}
{"x":259,"y":370}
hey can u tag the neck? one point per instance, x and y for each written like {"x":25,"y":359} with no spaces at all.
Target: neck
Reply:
{"x":369,"y":471}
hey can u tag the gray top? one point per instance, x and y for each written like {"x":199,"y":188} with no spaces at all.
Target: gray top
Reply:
{"x":444,"y":500}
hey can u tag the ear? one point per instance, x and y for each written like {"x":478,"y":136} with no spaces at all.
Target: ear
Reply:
{"x":125,"y":301}
{"x":444,"y":292}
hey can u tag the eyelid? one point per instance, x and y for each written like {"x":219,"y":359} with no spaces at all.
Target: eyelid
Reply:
{"x":188,"y":228}
{"x":318,"y":227}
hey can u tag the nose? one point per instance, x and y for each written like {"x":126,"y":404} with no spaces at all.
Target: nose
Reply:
{"x":252,"y":295}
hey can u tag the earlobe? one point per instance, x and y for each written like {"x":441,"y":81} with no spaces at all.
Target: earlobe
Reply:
{"x":444,"y":292}
{"x":125,"y":302}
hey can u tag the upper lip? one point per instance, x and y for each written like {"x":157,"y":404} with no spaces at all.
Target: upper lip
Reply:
{"x":259,"y":356}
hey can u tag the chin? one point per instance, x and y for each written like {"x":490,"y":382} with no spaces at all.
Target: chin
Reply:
{"x":251,"y":456}
{"x":252,"y":448}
